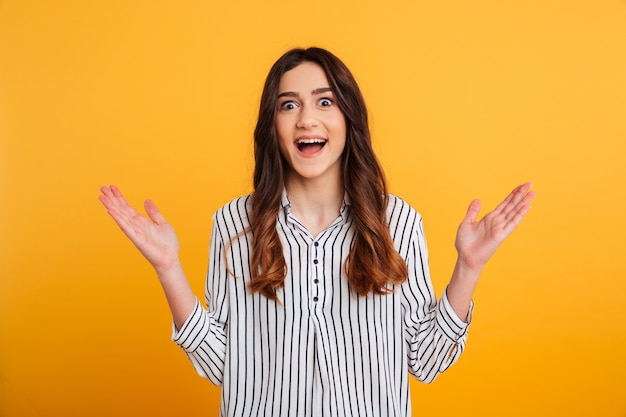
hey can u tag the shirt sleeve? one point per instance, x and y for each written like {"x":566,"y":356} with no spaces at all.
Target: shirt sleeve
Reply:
{"x":434,"y":334}
{"x":203,"y":335}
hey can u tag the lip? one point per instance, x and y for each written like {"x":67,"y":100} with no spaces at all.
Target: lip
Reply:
{"x":307,"y":138}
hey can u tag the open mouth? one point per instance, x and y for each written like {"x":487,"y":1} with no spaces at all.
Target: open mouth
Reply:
{"x":311,"y":145}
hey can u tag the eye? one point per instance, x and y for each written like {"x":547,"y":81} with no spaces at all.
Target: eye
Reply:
{"x":325,"y":102}
{"x":288,"y":105}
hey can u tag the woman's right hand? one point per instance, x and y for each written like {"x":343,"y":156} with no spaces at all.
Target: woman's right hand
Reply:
{"x":154,"y":237}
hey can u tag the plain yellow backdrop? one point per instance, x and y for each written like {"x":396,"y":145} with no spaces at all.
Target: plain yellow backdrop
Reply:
{"x":467,"y":99}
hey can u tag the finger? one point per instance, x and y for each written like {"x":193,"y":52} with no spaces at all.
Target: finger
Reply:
{"x":107,"y":195}
{"x":517,"y":218}
{"x":118,"y":195}
{"x":113,"y":200}
{"x":513,"y":198}
{"x":522,"y":204}
{"x":154,"y":213}
{"x":119,"y":214}
{"x":121,"y":219}
{"x":107,"y":203}
{"x":111,"y":197}
{"x":514,"y":218}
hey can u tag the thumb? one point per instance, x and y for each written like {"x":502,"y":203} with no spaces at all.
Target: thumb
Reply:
{"x":154,"y":213}
{"x":472,"y":211}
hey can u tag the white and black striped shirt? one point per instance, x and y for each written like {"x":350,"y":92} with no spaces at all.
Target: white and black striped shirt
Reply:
{"x":326,"y":351}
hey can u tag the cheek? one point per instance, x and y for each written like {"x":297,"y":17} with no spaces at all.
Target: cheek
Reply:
{"x":339,"y":125}
{"x":281,"y":136}
{"x":282,"y":148}
{"x":281,"y":125}
{"x":280,"y":128}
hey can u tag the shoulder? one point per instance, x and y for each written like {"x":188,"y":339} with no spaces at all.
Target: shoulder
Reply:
{"x":239,"y":203}
{"x":405,"y":223}
{"x":399,"y":208}
{"x":233,"y":216}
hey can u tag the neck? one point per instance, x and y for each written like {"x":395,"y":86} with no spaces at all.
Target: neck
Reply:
{"x":316,"y":204}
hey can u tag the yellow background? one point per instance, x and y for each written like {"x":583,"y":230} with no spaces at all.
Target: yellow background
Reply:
{"x":467,"y":98}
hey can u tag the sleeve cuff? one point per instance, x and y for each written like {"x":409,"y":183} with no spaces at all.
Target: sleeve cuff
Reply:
{"x":193,"y":331}
{"x":449,"y":321}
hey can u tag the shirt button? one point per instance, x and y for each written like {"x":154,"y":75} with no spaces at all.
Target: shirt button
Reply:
{"x":316,"y":281}
{"x":316,"y":244}
{"x":315,"y":299}
{"x":315,"y":261}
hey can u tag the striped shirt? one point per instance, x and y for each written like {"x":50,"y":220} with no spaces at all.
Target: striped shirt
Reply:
{"x":326,"y":351}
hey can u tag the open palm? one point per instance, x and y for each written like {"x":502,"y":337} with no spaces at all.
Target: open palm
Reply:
{"x":154,"y":236}
{"x":477,"y":241}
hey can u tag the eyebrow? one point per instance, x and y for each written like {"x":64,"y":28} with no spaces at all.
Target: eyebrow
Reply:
{"x":315,"y":92}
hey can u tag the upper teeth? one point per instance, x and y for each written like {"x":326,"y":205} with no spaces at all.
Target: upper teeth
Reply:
{"x":314,"y":140}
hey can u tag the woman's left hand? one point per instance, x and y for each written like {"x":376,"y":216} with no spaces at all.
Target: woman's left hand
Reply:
{"x":477,"y":241}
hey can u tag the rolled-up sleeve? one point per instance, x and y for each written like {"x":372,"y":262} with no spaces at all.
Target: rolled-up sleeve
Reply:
{"x":434,"y":333}
{"x":203,"y":335}
{"x":204,"y":341}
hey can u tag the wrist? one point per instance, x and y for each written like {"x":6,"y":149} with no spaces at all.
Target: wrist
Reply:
{"x":168,"y":269}
{"x":468,"y":264}
{"x":466,"y":272}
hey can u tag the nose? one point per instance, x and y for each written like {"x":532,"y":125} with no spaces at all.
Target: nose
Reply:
{"x":307,"y":118}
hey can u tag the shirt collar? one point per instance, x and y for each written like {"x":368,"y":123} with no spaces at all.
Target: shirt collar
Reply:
{"x":286,"y":203}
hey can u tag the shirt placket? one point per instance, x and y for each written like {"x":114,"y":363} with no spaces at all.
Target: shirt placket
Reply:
{"x":317,"y":293}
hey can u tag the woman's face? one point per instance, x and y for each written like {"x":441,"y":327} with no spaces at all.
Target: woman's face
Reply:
{"x":311,"y":128}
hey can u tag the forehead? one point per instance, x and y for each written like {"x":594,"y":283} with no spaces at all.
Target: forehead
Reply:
{"x":303,"y":78}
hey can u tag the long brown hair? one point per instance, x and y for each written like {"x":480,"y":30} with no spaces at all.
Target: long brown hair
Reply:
{"x":373,"y":263}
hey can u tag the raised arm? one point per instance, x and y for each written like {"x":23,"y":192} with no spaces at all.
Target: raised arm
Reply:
{"x":477,"y":241}
{"x":156,"y":240}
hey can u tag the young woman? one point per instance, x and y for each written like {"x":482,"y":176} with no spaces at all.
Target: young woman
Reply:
{"x":318,"y":291}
